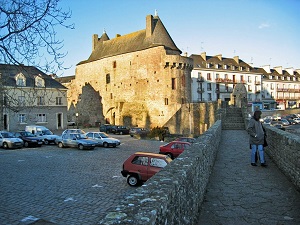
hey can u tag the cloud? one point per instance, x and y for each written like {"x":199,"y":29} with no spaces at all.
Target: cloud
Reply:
{"x":264,"y":25}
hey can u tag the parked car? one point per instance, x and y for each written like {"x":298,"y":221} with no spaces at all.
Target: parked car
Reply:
{"x":174,"y":148}
{"x":107,"y":128}
{"x":8,"y":140}
{"x":76,"y":140}
{"x":141,"y":166}
{"x":43,"y":132}
{"x":297,"y":120}
{"x":291,"y":121}
{"x":29,"y":139}
{"x":71,"y":123}
{"x":103,"y":139}
{"x":138,"y":130}
{"x":285,"y":122}
{"x":120,"y":130}
{"x":186,"y":139}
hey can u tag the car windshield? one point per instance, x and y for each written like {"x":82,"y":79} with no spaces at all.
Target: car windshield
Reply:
{"x":7,"y":135}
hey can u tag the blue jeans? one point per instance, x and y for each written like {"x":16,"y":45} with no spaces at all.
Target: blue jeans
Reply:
{"x":260,"y":149}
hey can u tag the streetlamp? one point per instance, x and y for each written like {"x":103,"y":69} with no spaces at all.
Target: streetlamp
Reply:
{"x":77,"y":114}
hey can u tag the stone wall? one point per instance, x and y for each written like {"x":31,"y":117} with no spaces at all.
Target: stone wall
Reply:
{"x":284,"y":150}
{"x":175,"y":194}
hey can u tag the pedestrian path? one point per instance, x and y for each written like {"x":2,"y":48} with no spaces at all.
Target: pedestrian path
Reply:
{"x":239,"y":193}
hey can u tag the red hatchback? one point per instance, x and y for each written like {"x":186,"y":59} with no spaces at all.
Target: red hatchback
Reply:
{"x":174,"y":148}
{"x":141,"y":166}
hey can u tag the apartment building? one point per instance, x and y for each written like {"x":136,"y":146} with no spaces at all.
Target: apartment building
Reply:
{"x":30,"y":97}
{"x":214,"y":77}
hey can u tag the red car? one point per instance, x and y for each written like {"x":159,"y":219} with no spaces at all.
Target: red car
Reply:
{"x":174,"y":148}
{"x":141,"y":166}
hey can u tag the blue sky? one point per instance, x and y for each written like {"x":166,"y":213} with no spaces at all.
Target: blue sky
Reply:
{"x":262,"y":32}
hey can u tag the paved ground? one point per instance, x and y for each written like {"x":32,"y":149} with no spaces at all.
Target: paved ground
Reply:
{"x":64,"y":186}
{"x":239,"y":193}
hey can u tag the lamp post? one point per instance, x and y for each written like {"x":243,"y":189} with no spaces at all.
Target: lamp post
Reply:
{"x":77,"y":114}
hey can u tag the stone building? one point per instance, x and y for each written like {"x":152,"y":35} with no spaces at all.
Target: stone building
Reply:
{"x":141,"y":77}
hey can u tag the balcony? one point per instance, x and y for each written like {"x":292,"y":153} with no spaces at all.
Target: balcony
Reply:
{"x":282,"y":90}
{"x":230,"y":81}
{"x":229,"y":90}
{"x":201,"y":79}
{"x":257,"y":82}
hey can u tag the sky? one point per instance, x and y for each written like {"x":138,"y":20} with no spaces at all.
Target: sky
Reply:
{"x":261,"y":32}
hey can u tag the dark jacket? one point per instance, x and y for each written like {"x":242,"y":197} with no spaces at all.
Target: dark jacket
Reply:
{"x":256,"y":132}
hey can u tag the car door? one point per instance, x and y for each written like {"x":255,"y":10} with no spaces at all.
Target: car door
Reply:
{"x":177,"y":149}
{"x":98,"y":138}
{"x":140,"y":165}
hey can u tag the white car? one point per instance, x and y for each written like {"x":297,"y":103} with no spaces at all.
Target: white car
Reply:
{"x":297,"y":120}
{"x":103,"y":139}
{"x":8,"y":140}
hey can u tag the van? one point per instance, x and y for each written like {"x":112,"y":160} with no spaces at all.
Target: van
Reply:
{"x":43,"y":132}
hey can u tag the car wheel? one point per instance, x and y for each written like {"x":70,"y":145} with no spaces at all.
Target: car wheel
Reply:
{"x":121,"y":133}
{"x":132,"y":180}
{"x":46,"y":142}
{"x":26,"y":144}
{"x":5,"y":145}
{"x":80,"y":146}
{"x":105,"y":144}
{"x":60,"y":145}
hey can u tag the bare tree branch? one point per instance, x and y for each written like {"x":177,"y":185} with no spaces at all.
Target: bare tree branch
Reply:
{"x":27,"y":33}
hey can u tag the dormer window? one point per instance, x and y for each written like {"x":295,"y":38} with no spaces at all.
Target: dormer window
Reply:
{"x":225,"y":67}
{"x":20,"y":80}
{"x":39,"y":82}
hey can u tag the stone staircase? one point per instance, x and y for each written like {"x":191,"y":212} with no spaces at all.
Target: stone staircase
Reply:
{"x":233,"y":119}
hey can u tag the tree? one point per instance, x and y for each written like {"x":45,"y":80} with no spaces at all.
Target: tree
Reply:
{"x":28,"y":36}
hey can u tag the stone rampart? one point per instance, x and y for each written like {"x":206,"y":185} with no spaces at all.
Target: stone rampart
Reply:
{"x":284,"y":150}
{"x":175,"y":194}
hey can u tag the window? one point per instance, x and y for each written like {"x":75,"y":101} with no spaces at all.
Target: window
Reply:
{"x":157,"y":162}
{"x":140,"y":160}
{"x":22,"y":118}
{"x":58,"y":100}
{"x":173,"y":83}
{"x":20,"y":80}
{"x":208,"y":76}
{"x":40,"y":100}
{"x":209,"y":97}
{"x":21,"y":100}
{"x":107,"y":78}
{"x":217,"y":76}
{"x":114,"y":64}
{"x":209,"y":86}
{"x":41,"y":118}
{"x":39,"y":82}
{"x":249,"y":79}
{"x":166,"y":101}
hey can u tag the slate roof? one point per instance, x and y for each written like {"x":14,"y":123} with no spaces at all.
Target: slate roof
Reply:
{"x":9,"y":72}
{"x":132,"y":42}
{"x":201,"y":63}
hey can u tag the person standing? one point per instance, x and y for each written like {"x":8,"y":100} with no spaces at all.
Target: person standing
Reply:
{"x":256,"y":139}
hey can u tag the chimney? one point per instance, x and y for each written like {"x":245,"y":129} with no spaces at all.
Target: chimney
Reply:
{"x":149,"y":25}
{"x":278,"y":69}
{"x":236,"y":58}
{"x":94,"y":41}
{"x":203,"y":55}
